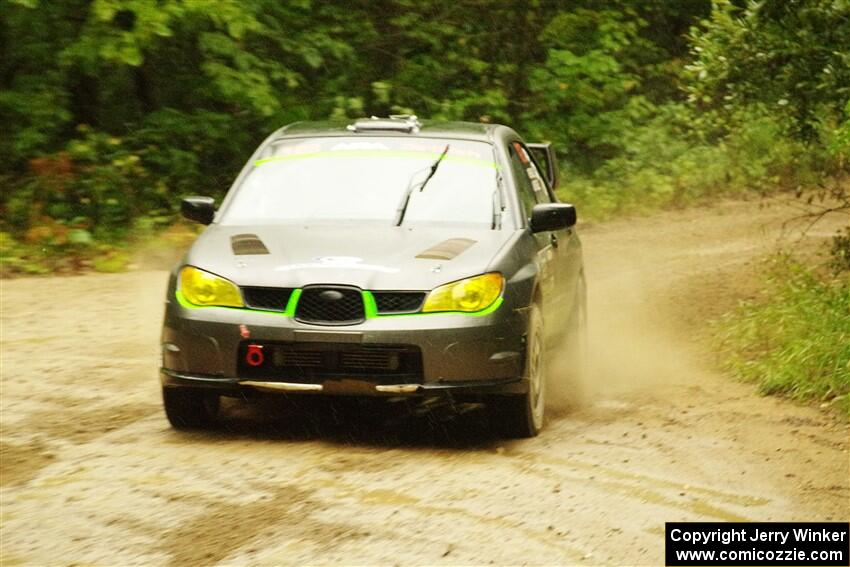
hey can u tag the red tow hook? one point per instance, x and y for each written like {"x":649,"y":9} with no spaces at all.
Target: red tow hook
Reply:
{"x":255,"y":356}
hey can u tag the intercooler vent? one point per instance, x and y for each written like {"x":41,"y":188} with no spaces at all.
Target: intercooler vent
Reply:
{"x":316,"y":361}
{"x":289,"y":357}
{"x":369,"y":360}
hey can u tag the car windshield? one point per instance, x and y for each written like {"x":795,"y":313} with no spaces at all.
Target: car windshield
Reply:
{"x":341,"y":179}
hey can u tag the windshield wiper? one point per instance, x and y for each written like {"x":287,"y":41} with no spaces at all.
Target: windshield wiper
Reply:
{"x":402,"y":209}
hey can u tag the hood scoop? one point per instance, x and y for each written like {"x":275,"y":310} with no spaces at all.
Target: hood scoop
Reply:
{"x":447,"y":249}
{"x":247,"y":244}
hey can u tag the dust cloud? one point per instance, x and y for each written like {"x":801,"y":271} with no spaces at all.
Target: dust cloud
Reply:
{"x":653,"y":296}
{"x":633,"y":346}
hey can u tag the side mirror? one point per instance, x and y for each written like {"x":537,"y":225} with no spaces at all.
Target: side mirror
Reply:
{"x":198,"y":209}
{"x":544,"y":155}
{"x":552,"y":216}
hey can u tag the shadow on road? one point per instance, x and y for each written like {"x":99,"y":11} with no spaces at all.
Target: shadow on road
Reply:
{"x":357,"y":421}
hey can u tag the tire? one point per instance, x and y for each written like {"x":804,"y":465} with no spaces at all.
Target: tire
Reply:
{"x":522,"y":416}
{"x":188,"y":408}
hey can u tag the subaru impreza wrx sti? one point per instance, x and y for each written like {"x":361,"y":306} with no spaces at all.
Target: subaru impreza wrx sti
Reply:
{"x":380,"y":257}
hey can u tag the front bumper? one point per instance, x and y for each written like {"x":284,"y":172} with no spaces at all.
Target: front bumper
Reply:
{"x":346,"y":387}
{"x":203,"y":347}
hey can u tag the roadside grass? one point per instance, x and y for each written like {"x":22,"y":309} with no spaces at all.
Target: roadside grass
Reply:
{"x":794,"y":339}
{"x":59,"y":252}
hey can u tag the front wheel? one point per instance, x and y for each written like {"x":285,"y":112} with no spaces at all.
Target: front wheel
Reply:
{"x":522,"y":416}
{"x":189,"y":408}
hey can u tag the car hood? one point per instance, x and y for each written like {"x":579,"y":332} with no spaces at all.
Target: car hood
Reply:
{"x":376,"y":258}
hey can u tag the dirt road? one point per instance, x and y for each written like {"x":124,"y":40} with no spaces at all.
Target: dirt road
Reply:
{"x":92,"y":474}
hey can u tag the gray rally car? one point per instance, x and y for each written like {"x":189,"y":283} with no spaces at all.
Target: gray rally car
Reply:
{"x":383,"y":257}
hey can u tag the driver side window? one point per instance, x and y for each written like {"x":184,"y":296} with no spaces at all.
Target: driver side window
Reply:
{"x":538,"y":183}
{"x":525,"y":190}
{"x":532,"y":188}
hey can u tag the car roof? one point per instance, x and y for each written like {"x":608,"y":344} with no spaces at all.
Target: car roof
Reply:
{"x":426,"y":128}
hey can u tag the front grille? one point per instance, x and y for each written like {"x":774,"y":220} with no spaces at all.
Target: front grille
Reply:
{"x":398,"y":301}
{"x":313,"y":362}
{"x":330,"y":305}
{"x":269,"y":298}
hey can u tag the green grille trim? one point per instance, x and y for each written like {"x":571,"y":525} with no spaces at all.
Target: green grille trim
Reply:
{"x":292,"y":303}
{"x":369,"y":305}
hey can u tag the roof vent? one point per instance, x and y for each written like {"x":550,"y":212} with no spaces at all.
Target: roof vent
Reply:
{"x":394,"y":123}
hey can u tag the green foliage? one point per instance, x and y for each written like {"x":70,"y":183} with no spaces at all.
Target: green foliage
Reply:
{"x":585,"y":86}
{"x":666,"y":162}
{"x":92,"y":184}
{"x":836,"y":137}
{"x":791,"y":56}
{"x":114,"y":109}
{"x":767,"y":109}
{"x":794,"y":339}
{"x":52,"y":248}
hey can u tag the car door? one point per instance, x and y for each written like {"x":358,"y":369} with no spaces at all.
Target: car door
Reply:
{"x":546,"y":252}
{"x":565,"y":248}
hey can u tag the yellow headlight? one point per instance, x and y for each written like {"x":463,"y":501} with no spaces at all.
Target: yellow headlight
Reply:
{"x":471,"y":294}
{"x":203,"y":288}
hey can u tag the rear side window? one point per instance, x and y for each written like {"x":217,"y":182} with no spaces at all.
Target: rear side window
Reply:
{"x":527,"y":192}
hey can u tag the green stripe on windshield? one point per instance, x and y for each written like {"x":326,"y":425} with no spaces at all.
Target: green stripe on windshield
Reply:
{"x":378,"y":153}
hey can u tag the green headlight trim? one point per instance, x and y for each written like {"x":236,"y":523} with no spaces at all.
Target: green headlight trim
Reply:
{"x":369,"y":306}
{"x":374,"y":313}
{"x":181,"y":299}
{"x":378,"y":153}
{"x":486,"y":311}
